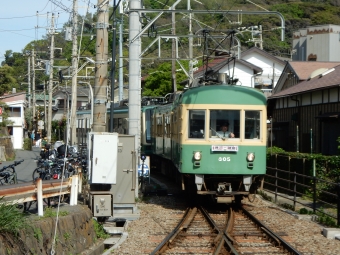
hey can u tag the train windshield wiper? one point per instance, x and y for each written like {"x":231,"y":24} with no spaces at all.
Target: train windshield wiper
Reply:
{"x":220,"y":136}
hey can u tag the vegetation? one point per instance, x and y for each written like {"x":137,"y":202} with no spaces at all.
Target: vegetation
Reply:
{"x":99,"y":229}
{"x":327,"y":168}
{"x":58,"y":129}
{"x":28,"y":144}
{"x":49,"y":212}
{"x":38,"y":234}
{"x":11,"y":219}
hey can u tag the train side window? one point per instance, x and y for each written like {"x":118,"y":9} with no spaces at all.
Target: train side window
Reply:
{"x":159,"y":126}
{"x":148,"y":125}
{"x":196,"y":123}
{"x":252,"y":125}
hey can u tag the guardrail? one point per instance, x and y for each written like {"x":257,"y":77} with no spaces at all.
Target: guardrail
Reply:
{"x":36,"y":191}
{"x":291,"y":185}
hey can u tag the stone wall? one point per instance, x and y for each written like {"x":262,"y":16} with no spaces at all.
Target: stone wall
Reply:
{"x":75,"y":233}
{"x":7,"y":143}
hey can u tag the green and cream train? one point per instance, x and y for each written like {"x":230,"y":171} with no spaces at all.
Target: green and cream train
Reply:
{"x":183,"y":137}
{"x":188,"y":144}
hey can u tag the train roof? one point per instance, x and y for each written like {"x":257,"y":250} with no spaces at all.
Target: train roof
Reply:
{"x":223,"y":94}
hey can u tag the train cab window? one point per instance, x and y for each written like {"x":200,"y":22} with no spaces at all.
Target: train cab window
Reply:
{"x":196,"y":123}
{"x":224,"y":124}
{"x":252,"y":125}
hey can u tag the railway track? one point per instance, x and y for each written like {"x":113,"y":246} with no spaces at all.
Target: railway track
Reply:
{"x":234,"y":231}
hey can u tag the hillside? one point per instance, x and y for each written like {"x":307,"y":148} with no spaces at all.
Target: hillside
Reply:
{"x":297,"y":15}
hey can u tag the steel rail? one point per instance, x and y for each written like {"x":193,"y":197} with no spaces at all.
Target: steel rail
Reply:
{"x":274,"y":237}
{"x":222,"y":234}
{"x":165,"y":242}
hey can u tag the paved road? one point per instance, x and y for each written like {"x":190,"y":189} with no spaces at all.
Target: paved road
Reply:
{"x":25,"y":169}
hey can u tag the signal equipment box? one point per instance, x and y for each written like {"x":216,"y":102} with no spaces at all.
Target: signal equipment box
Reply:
{"x":101,"y":205}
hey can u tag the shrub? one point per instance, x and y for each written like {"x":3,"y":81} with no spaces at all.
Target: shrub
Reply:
{"x":11,"y":219}
{"x":99,"y":229}
{"x":28,"y":144}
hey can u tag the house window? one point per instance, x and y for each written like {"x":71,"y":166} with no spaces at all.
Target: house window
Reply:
{"x":10,"y":130}
{"x":14,"y":112}
{"x":312,"y":57}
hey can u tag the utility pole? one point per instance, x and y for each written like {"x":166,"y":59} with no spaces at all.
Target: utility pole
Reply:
{"x":121,"y":83}
{"x":100,"y":83}
{"x":33,"y":86}
{"x":173,"y":52}
{"x":74,"y":71}
{"x":50,"y":83}
{"x":45,"y":104}
{"x":113,"y":66}
{"x":134,"y":73}
{"x":29,"y":81}
{"x":191,"y":71}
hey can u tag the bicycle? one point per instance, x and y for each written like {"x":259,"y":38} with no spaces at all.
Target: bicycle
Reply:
{"x":46,"y":171}
{"x":8,"y":174}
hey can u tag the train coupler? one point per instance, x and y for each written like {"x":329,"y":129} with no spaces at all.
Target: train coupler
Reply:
{"x":224,"y":188}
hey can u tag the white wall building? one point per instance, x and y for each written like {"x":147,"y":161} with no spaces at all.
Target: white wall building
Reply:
{"x":271,"y":66}
{"x":17,"y":104}
{"x":317,"y":43}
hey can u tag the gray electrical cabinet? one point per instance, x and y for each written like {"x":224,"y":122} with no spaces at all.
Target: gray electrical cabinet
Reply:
{"x":126,"y":188}
{"x":113,"y":175}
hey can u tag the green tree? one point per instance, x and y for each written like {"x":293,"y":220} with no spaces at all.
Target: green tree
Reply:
{"x":7,"y":81}
{"x":159,"y":81}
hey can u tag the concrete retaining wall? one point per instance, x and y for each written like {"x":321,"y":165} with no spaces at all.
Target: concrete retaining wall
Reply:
{"x":75,"y":234}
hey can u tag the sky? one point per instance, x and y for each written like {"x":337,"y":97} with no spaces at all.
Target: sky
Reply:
{"x":22,"y":21}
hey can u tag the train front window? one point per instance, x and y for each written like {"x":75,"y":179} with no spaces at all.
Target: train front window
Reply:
{"x":224,"y":123}
{"x":196,"y":123}
{"x":252,"y":125}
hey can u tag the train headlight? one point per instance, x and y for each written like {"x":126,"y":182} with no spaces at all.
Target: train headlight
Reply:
{"x":197,"y":155}
{"x":250,"y":156}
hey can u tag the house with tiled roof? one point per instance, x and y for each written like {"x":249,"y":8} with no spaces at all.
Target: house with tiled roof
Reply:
{"x":297,"y":71}
{"x":271,"y":66}
{"x":305,"y":108}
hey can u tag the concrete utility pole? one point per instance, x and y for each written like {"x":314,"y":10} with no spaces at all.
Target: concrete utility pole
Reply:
{"x":50,"y":83}
{"x":173,"y":51}
{"x":113,"y":67}
{"x":74,"y":71}
{"x":121,"y":83}
{"x":100,"y":83}
{"x":134,"y":72}
{"x":29,"y":81}
{"x":191,"y":71}
{"x":33,"y":84}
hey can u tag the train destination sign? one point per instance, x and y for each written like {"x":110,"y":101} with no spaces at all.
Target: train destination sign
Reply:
{"x":224,"y":148}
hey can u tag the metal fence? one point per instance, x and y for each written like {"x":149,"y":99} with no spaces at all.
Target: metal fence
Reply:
{"x":301,"y":181}
{"x":26,"y":192}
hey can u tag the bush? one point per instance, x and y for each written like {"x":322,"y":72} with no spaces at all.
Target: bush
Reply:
{"x":99,"y":229}
{"x":11,"y":219}
{"x":28,"y":144}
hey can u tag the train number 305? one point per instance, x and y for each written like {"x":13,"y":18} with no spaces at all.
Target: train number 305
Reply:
{"x":224,"y":159}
